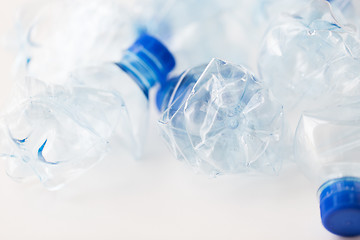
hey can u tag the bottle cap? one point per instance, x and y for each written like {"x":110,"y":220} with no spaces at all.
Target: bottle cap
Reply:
{"x":149,"y":57}
{"x":340,"y":206}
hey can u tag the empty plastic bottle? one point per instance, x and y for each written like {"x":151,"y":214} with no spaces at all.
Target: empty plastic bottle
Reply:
{"x":327,"y":148}
{"x":308,"y":60}
{"x":219,"y":119}
{"x":196,"y":31}
{"x":311,"y":63}
{"x":58,"y":131}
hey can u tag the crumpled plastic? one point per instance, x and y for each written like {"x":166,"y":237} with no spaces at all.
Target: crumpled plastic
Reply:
{"x":311,"y":57}
{"x":225,"y":122}
{"x":310,"y":61}
{"x":58,"y":131}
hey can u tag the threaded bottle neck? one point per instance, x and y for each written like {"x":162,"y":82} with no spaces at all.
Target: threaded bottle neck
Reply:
{"x":148,"y":62}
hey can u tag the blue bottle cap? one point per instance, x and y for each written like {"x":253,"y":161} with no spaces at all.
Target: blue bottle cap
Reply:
{"x":340,"y":206}
{"x":155,"y":56}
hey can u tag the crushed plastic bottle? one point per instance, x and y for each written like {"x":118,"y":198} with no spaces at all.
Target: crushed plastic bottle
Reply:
{"x":220,"y":119}
{"x":308,"y":60}
{"x":327,"y":149}
{"x":311,"y":63}
{"x":59,"y":131}
{"x":304,"y":56}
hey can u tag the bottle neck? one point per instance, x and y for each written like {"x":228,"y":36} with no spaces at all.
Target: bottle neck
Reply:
{"x":138,"y":70}
{"x":148,"y":62}
{"x":164,"y":93}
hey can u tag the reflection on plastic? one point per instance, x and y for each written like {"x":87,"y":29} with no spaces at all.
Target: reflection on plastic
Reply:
{"x":221,"y":120}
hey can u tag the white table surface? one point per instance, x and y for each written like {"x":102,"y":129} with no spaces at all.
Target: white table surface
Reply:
{"x":154,"y":198}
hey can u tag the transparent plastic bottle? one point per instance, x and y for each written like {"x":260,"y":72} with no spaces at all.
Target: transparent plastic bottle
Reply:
{"x":219,"y":119}
{"x":311,"y":62}
{"x":327,"y":148}
{"x":59,"y":131}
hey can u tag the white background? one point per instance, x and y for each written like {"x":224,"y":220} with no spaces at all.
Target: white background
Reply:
{"x":154,"y":198}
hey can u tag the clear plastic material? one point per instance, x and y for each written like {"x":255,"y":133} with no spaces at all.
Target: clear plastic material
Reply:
{"x":310,"y":60}
{"x":309,"y":56}
{"x":327,"y":149}
{"x":347,"y":11}
{"x":65,"y":35}
{"x":197,"y":31}
{"x":327,"y":143}
{"x":219,"y":119}
{"x":78,"y":33}
{"x":59,"y":131}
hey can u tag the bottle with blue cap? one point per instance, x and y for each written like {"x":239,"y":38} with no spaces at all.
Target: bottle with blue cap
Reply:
{"x":219,"y":119}
{"x":58,"y":131}
{"x":327,"y":149}
{"x":310,"y":61}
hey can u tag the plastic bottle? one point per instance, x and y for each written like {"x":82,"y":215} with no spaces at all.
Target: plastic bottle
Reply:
{"x":219,"y":119}
{"x":327,"y":149}
{"x":308,"y":60}
{"x":311,"y":63}
{"x":59,"y":131}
